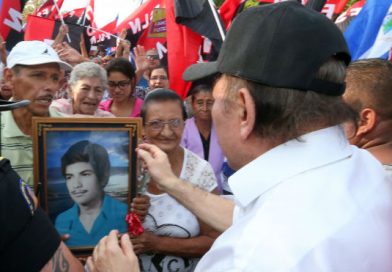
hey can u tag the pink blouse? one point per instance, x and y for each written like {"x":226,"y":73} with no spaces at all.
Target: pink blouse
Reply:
{"x":105,"y":105}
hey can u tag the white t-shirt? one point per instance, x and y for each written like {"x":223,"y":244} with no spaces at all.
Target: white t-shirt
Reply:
{"x":167,"y":217}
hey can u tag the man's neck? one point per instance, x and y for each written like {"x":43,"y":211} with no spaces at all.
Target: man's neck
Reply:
{"x":23,"y":119}
{"x":379,"y":142}
{"x":381,"y":150}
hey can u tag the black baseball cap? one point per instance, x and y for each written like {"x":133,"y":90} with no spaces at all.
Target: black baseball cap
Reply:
{"x":11,"y":105}
{"x":280,"y":45}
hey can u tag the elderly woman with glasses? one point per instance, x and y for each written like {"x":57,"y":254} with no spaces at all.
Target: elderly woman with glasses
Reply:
{"x":121,"y":86}
{"x":87,"y":83}
{"x":174,"y":238}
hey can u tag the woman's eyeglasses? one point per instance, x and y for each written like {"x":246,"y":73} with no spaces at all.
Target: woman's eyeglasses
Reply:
{"x":158,"y":77}
{"x":158,"y":125}
{"x":120,"y":84}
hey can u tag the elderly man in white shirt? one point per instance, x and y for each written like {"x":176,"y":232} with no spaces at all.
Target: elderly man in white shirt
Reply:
{"x":304,"y":199}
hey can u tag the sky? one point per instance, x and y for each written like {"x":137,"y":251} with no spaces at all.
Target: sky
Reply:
{"x":57,"y":142}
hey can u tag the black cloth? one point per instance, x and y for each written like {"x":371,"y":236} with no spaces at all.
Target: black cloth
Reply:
{"x":28,"y":239}
{"x":206,"y":146}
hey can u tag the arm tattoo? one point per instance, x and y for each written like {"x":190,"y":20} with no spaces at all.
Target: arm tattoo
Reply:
{"x":59,"y":261}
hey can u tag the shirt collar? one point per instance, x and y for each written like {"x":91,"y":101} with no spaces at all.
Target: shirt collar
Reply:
{"x":11,"y":129}
{"x":289,"y":159}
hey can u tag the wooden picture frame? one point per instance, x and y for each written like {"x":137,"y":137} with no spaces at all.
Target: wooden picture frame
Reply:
{"x":63,"y":178}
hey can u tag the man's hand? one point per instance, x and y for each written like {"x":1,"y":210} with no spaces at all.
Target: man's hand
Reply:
{"x":140,"y":206}
{"x":111,"y":256}
{"x":63,"y":31}
{"x":69,"y":54}
{"x":158,"y":166}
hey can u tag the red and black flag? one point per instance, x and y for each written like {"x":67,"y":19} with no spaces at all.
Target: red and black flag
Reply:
{"x":44,"y":29}
{"x":49,"y":10}
{"x":187,"y":22}
{"x":11,"y":24}
{"x":202,"y":18}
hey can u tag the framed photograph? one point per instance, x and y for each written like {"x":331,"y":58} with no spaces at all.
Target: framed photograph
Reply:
{"x":85,"y":170}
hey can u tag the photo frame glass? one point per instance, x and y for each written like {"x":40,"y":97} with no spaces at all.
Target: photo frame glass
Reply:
{"x":85,"y":171}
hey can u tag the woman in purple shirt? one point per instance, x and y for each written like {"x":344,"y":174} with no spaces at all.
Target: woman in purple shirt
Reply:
{"x":199,"y":133}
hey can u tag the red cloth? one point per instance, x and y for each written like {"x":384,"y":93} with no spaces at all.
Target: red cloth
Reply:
{"x":135,"y":227}
{"x":182,"y":50}
{"x":228,"y":10}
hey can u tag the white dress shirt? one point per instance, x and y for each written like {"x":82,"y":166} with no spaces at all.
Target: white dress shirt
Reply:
{"x":314,"y":204}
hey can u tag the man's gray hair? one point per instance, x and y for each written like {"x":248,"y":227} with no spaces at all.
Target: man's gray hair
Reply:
{"x":283,"y":114}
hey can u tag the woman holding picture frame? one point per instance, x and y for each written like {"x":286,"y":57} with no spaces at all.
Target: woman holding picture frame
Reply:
{"x":174,"y":239}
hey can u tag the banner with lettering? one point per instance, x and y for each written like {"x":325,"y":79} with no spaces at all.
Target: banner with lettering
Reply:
{"x":11,"y":23}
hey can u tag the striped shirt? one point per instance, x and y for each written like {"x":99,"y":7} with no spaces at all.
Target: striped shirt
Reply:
{"x":18,"y":147}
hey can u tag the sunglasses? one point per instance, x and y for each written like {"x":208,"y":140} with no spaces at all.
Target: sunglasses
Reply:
{"x":152,"y":57}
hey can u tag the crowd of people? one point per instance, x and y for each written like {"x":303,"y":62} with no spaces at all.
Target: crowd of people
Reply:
{"x":305,"y":136}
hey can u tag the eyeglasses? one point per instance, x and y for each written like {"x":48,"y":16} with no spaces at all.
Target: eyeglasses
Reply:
{"x":152,"y":57}
{"x":158,"y":125}
{"x":120,"y":84}
{"x":158,"y":77}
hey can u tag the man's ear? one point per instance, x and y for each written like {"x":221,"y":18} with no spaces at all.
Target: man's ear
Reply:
{"x":8,"y":74}
{"x":367,"y":122}
{"x":248,"y":113}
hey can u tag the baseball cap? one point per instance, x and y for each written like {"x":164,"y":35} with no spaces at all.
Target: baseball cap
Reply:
{"x":11,"y":105}
{"x":34,"y":53}
{"x":280,"y":45}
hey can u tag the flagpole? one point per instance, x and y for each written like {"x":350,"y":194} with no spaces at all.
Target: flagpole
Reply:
{"x":214,"y":12}
{"x":85,"y":13}
{"x":61,"y":19}
{"x":105,"y":32}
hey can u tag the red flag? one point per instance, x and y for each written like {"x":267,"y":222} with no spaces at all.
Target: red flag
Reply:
{"x":139,"y":20}
{"x":48,"y":9}
{"x":11,"y":27}
{"x":228,"y":10}
{"x":182,"y":46}
{"x":38,"y":28}
{"x":333,"y":7}
{"x":139,"y":25}
{"x":351,"y":12}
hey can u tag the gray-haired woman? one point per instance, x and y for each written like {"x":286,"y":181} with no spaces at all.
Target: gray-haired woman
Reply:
{"x":87,"y":84}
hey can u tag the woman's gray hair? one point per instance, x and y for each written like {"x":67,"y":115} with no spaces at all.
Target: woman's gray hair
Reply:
{"x":88,"y":69}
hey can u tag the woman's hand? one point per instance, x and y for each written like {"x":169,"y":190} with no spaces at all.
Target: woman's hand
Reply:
{"x":112,"y":255}
{"x":140,"y":205}
{"x":158,"y":166}
{"x":145,"y":243}
{"x":140,"y":58}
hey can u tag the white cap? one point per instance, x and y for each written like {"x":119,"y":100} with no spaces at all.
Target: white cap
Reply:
{"x":34,"y":53}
